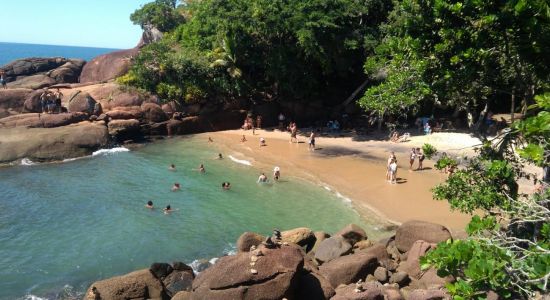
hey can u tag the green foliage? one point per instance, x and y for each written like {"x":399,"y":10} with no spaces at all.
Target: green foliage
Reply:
{"x":429,"y":150}
{"x":161,"y":13}
{"x":445,"y":162}
{"x":535,"y":131}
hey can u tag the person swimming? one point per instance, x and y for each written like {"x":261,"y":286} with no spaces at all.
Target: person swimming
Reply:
{"x":262,"y":178}
{"x":149,"y":204}
{"x":176,"y":187}
{"x":226,"y":185}
{"x":220,"y":156}
{"x":276,"y":173}
{"x":202,"y":169}
{"x":167,"y":209}
{"x":172,"y":167}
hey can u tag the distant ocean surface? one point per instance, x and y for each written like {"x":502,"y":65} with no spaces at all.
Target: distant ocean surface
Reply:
{"x":12,"y":51}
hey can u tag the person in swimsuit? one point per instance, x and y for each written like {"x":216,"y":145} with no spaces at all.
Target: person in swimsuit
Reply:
{"x":176,"y":187}
{"x":167,"y":209}
{"x":276,"y":173}
{"x":262,"y":178}
{"x":412,"y":157}
{"x":172,"y":168}
{"x":312,"y":141}
{"x":149,"y":204}
{"x":421,"y":157}
{"x":393,"y":171}
{"x":226,"y":186}
{"x":3,"y":79}
{"x":201,"y":169}
{"x":390,"y":159}
{"x":57,"y":104}
{"x":220,"y":156}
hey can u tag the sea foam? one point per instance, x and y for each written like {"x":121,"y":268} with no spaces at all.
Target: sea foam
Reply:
{"x":240,"y":161}
{"x":27,"y":162}
{"x":110,"y":151}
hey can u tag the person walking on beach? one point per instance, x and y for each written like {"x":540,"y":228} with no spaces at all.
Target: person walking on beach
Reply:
{"x":421,"y":157}
{"x":312,"y":141}
{"x":393,"y":171}
{"x":3,"y":79}
{"x":412,"y":157}
{"x":58,"y":95}
{"x":293,"y":132}
{"x":390,"y":159}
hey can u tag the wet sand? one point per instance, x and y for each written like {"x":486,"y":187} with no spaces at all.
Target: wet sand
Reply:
{"x":356,"y":170}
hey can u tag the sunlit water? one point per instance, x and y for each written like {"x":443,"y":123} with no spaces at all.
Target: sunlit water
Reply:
{"x":63,"y":226}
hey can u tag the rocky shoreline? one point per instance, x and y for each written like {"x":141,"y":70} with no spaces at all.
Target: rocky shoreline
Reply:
{"x":299,"y":264}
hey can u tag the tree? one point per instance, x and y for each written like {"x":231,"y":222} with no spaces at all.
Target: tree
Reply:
{"x":162,"y":14}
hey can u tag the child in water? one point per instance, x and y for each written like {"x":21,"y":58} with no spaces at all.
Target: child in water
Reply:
{"x":167,"y":209}
{"x":172,"y":167}
{"x":226,"y":186}
{"x":149,"y":204}
{"x":176,"y":187}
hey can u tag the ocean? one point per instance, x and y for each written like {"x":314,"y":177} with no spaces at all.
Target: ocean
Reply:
{"x":65,"y":225}
{"x":12,"y":51}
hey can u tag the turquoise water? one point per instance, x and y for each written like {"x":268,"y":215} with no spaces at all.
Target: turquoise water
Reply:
{"x":12,"y":51}
{"x":63,"y":226}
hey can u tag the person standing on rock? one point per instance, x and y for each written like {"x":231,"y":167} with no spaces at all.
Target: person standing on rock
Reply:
{"x":58,"y":95}
{"x":3,"y":79}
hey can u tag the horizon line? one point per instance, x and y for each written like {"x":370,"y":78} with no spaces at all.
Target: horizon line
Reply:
{"x":76,"y":46}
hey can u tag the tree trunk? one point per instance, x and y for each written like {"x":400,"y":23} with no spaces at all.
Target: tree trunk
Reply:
{"x":481,"y":117}
{"x":352,"y":96}
{"x":513,"y":105}
{"x":380,"y":119}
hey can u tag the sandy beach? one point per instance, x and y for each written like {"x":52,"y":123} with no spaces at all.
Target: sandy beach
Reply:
{"x":354,"y":168}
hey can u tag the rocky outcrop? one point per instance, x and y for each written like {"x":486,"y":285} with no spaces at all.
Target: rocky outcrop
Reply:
{"x":412,"y":231}
{"x":332,"y":248}
{"x":150,"y":35}
{"x":349,"y":268}
{"x":108,"y":66}
{"x":136,"y":285}
{"x":35,"y":120}
{"x":352,"y":234}
{"x":81,"y":102}
{"x":274,"y":275}
{"x":12,"y":101}
{"x":153,"y":113}
{"x":302,"y":237}
{"x":247,"y":240}
{"x":124,"y":129}
{"x":48,"y":144}
{"x":37,"y":73}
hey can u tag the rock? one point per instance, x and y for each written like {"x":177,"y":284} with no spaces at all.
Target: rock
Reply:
{"x":39,"y":144}
{"x":312,"y":285}
{"x":179,"y":266}
{"x":81,"y":102}
{"x":352,"y":234}
{"x":153,"y":113}
{"x":230,"y":278}
{"x":391,"y":293}
{"x":248,"y":239}
{"x":412,"y":231}
{"x":124,"y":129}
{"x":68,"y":72}
{"x":430,"y":280}
{"x":32,"y":102}
{"x":206,"y":122}
{"x":412,"y":265}
{"x":400,"y":278}
{"x":108,"y":66}
{"x":33,"y":82}
{"x":31,"y":66}
{"x":303,"y":237}
{"x":364,"y":244}
{"x":381,"y":274}
{"x":136,"y":285}
{"x":319,"y":237}
{"x":183,"y":295}
{"x":428,"y":295}
{"x":332,"y":248}
{"x":178,"y":281}
{"x":150,"y":35}
{"x":349,"y":268}
{"x":125,"y":113}
{"x":370,"y":291}
{"x":35,"y":120}
{"x":160,"y":270}
{"x":201,"y":265}
{"x":379,"y":251}
{"x":13,"y":99}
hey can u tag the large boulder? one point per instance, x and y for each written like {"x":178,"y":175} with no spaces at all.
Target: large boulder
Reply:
{"x":37,"y":73}
{"x":41,"y":144}
{"x":160,"y":270}
{"x":352,"y":233}
{"x":320,"y":236}
{"x":332,"y":248}
{"x":125,"y":113}
{"x":81,"y":102}
{"x":34,"y":82}
{"x":151,"y":34}
{"x":314,"y":286}
{"x":136,"y":285}
{"x":153,"y":113}
{"x":12,"y":101}
{"x":31,"y":66}
{"x":32,"y":102}
{"x":302,"y":236}
{"x":35,"y":120}
{"x":348,"y":269}
{"x":108,"y":66}
{"x":247,"y":240}
{"x":68,"y":72}
{"x":379,"y":251}
{"x":369,"y":291}
{"x":178,"y":281}
{"x":412,"y":231}
{"x":428,"y":295}
{"x":274,"y":275}
{"x":207,"y":122}
{"x":123,"y":129}
{"x":412,"y":265}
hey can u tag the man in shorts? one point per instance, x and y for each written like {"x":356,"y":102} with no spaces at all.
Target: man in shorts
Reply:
{"x":3,"y":79}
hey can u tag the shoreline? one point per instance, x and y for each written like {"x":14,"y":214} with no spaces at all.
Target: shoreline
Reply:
{"x":355,"y":170}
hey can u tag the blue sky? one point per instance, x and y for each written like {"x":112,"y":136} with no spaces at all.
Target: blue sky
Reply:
{"x":93,"y":23}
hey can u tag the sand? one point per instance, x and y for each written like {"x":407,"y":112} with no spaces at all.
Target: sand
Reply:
{"x":354,"y":168}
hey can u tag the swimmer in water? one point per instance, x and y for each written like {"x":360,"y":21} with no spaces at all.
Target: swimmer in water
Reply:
{"x":226,"y":186}
{"x":220,"y":156}
{"x":202,"y":169}
{"x":276,"y":173}
{"x":167,"y":209}
{"x":262,"y":178}
{"x":176,"y":187}
{"x":149,"y":204}
{"x":172,"y":167}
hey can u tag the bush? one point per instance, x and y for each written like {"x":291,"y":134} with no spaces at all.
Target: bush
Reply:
{"x":429,"y":151}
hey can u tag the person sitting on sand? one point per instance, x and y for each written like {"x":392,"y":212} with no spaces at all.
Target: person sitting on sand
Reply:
{"x":176,"y":187}
{"x":262,"y":178}
{"x":167,"y":209}
{"x":262,"y":142}
{"x":421,"y":157}
{"x":243,"y":139}
{"x":393,"y":171}
{"x":276,"y":173}
{"x":312,"y":141}
{"x":412,"y":157}
{"x":394,"y":137}
{"x":226,"y":186}
{"x":149,"y":204}
{"x":172,"y":167}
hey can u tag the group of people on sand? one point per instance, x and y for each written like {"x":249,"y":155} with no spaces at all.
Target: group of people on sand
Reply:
{"x":416,"y":153}
{"x":50,"y":102}
{"x":391,"y":166}
{"x":249,"y":123}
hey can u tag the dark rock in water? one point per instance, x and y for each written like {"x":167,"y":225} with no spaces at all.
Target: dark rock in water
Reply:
{"x":275,"y":277}
{"x":37,"y":73}
{"x":412,"y":231}
{"x":201,"y":265}
{"x":160,"y":270}
{"x":348,"y":269}
{"x":81,"y":102}
{"x":179,"y":266}
{"x":248,"y":239}
{"x":352,"y":233}
{"x":136,"y":285}
{"x":332,"y":248}
{"x":178,"y":281}
{"x":369,"y":291}
{"x":108,"y":66}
